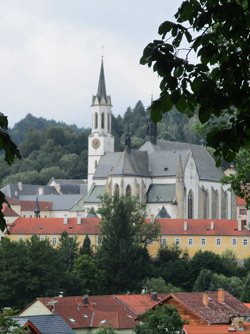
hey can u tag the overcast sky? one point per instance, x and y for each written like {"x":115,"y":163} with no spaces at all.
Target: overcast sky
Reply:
{"x":50,"y":55}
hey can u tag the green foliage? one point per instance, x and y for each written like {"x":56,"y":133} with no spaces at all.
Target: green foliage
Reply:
{"x":159,"y":321}
{"x":218,"y":84}
{"x":159,"y":285}
{"x":203,"y":281}
{"x":9,"y":325}
{"x":68,"y":248}
{"x":90,"y":274}
{"x":86,"y":247}
{"x":106,"y":330}
{"x":11,"y":152}
{"x":245,"y":295}
{"x":124,"y":236}
{"x":169,"y":253}
{"x":239,"y":182}
{"x":233,"y":285}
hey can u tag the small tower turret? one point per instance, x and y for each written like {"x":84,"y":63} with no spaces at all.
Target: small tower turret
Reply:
{"x":151,"y":129}
{"x":128,"y":140}
{"x":37,"y":209}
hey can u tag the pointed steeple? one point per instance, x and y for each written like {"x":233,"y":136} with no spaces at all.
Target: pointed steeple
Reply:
{"x":151,"y":128}
{"x":37,"y":209}
{"x":101,"y":97}
{"x":179,"y":172}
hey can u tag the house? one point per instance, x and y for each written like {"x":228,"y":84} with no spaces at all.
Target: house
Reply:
{"x":44,"y":324}
{"x":86,"y":314}
{"x":175,"y":180}
{"x":237,"y":326}
{"x":191,"y":234}
{"x":207,"y":308}
{"x":243,"y":215}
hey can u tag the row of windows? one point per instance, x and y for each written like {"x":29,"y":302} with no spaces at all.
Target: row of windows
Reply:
{"x":127,"y":192}
{"x":243,"y":211}
{"x":102,"y":120}
{"x":204,"y":241}
{"x":53,"y":239}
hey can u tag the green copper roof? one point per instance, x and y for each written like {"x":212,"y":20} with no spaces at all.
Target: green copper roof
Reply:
{"x":94,"y":194}
{"x":161,"y":193}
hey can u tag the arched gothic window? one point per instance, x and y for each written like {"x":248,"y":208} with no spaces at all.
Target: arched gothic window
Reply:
{"x":95,"y":163}
{"x":116,"y":189}
{"x":128,"y":190}
{"x":96,"y":120}
{"x":103,"y":120}
{"x":190,"y":205}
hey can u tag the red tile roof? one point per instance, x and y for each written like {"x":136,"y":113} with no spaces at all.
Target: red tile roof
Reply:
{"x":30,"y":205}
{"x":241,"y":201}
{"x":54,"y":226}
{"x":139,"y":303}
{"x":216,"y":329}
{"x":216,"y":312}
{"x":201,"y":227}
{"x":89,"y":226}
{"x":8,"y":211}
{"x":99,"y":311}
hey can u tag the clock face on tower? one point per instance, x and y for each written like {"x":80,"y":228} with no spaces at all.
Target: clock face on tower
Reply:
{"x":95,"y":143}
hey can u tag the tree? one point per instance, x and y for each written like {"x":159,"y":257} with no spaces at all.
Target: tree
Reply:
{"x":9,"y":325}
{"x":124,"y":237}
{"x":11,"y":152}
{"x":90,"y":274}
{"x":245,"y":295}
{"x":203,"y":281}
{"x":159,"y":285}
{"x":159,"y":321}
{"x":68,"y":248}
{"x":218,"y":84}
{"x":106,"y":330}
{"x":86,"y":247}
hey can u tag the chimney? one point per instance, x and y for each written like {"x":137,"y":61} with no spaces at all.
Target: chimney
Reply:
{"x":61,"y":294}
{"x":40,"y":191}
{"x":221,"y":295}
{"x":152,"y":220}
{"x":185,"y":226}
{"x":65,"y":220}
{"x":212,"y":225}
{"x":20,"y":186}
{"x":6,"y":310}
{"x":239,"y":323}
{"x":154,"y":296}
{"x":239,"y":225}
{"x":85,"y":299}
{"x":205,"y":299}
{"x":79,"y":220}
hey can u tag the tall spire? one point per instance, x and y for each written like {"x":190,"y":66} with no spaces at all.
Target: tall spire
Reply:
{"x":128,"y":140}
{"x":151,"y":129}
{"x":37,"y":209}
{"x":101,"y":91}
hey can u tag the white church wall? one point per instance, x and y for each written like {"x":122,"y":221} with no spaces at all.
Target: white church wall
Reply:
{"x":191,"y":181}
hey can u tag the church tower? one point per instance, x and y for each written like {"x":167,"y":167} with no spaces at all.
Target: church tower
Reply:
{"x":100,"y":139}
{"x":151,"y":130}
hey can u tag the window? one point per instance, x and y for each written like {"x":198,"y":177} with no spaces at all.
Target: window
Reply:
{"x":190,"y":204}
{"x":54,"y":241}
{"x":96,"y":120}
{"x":244,"y":222}
{"x":164,"y":241}
{"x":21,"y":238}
{"x":42,"y":238}
{"x":109,"y":116}
{"x":177,"y":241}
{"x":218,"y":242}
{"x":190,"y":242}
{"x":30,"y":216}
{"x":95,"y":163}
{"x":203,"y":242}
{"x":103,"y":120}
{"x":128,"y":190}
{"x":116,"y":189}
{"x":243,"y":211}
{"x":245,"y":242}
{"x":234,"y":242}
{"x":151,"y":242}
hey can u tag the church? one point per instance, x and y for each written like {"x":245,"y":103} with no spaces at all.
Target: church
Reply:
{"x":175,"y":180}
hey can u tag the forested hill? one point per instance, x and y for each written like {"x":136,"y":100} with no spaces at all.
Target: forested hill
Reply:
{"x":55,"y":149}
